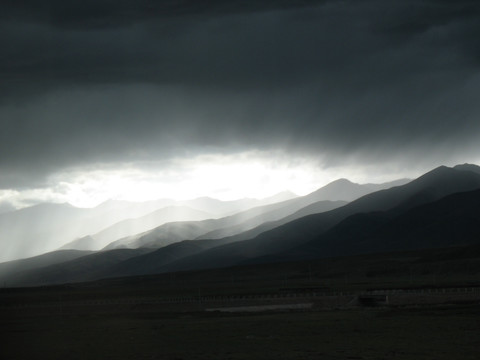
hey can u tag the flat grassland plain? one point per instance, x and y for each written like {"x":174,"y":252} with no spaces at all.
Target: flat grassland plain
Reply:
{"x":421,"y":305}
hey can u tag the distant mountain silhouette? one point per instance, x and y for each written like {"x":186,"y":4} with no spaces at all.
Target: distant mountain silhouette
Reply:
{"x":163,"y":235}
{"x":134,"y":226}
{"x":224,"y":208}
{"x":281,"y":196}
{"x":468,"y":167}
{"x":264,"y":217}
{"x":343,"y":189}
{"x":175,"y":232}
{"x":439,"y":209}
{"x":46,"y":227}
{"x":84,"y":243}
{"x":318,"y":201}
{"x":153,"y":262}
{"x":432,"y":186}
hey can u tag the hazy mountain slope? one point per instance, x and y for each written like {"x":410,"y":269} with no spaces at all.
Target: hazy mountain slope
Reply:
{"x":134,"y":226}
{"x":321,"y":200}
{"x":175,"y":232}
{"x":250,"y":218}
{"x":394,"y":211}
{"x":429,"y":187}
{"x":37,"y":229}
{"x":280,"y":211}
{"x":164,"y":235}
{"x":280,"y":197}
{"x":80,"y":269}
{"x":244,"y":220}
{"x":77,"y":266}
{"x":178,"y":211}
{"x":46,"y":227}
{"x":147,"y":222}
{"x":205,"y":204}
{"x":150,"y":263}
{"x":224,"y":208}
{"x":346,"y":190}
{"x":84,"y":243}
{"x":153,"y":262}
{"x":386,"y":185}
{"x":8,"y":269}
{"x":318,"y":207}
{"x":188,"y":230}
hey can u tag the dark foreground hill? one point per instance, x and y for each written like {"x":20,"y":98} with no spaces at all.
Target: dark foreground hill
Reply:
{"x":430,"y":187}
{"x":451,"y":221}
{"x":10,"y":268}
{"x":79,"y":269}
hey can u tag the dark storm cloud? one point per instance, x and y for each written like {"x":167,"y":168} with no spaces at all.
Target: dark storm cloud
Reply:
{"x":107,"y":13}
{"x":147,"y":46}
{"x":103,"y":81}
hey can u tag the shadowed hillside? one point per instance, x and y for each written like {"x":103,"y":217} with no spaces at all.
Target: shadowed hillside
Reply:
{"x":450,"y":221}
{"x":429,"y":187}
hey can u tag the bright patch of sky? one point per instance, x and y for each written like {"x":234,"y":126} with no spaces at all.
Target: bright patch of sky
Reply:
{"x":226,"y":177}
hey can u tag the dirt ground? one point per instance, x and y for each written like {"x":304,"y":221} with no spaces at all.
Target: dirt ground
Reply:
{"x":122,"y":319}
{"x":440,"y":332}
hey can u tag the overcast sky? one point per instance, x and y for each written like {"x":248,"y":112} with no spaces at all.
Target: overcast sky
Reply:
{"x":168,"y":94}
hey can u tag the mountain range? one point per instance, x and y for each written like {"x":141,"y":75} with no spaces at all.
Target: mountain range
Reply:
{"x":243,"y":225}
{"x":45,"y":227}
{"x":438,"y":209}
{"x":432,"y":186}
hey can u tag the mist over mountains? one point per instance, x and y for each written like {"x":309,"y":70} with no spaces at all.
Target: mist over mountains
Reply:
{"x":437,"y":210}
{"x":434,"y":185}
{"x":46,"y":227}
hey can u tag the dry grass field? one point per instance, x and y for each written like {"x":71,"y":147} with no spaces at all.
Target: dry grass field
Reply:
{"x":446,"y":332}
{"x":164,"y":317}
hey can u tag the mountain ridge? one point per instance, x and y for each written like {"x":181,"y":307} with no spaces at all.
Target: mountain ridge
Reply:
{"x":235,"y":225}
{"x":441,"y":181}
{"x":356,"y":219}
